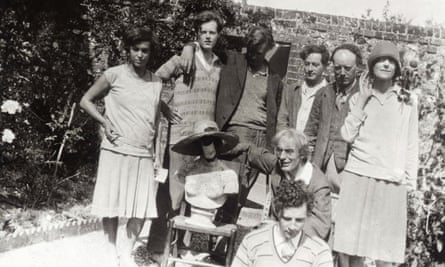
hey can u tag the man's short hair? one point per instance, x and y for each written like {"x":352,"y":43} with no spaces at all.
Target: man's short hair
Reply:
{"x":291,"y":194}
{"x":351,"y":48}
{"x":301,"y":142}
{"x":316,"y":49}
{"x":265,"y":38}
{"x":206,"y":16}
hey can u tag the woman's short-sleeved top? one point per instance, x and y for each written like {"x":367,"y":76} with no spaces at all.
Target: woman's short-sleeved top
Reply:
{"x":132,"y":107}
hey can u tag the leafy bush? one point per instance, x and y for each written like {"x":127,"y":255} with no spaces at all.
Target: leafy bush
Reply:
{"x":51,"y":52}
{"x":44,"y":58}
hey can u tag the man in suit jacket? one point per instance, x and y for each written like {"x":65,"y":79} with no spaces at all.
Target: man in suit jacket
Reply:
{"x":298,"y":98}
{"x":328,"y":113}
{"x":327,"y":116}
{"x":247,"y":103}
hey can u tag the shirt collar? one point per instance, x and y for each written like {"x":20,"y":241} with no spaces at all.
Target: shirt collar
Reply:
{"x":311,"y":91}
{"x":280,"y":239}
{"x":201,"y":58}
{"x":305,"y":174}
{"x":393,"y":91}
{"x":348,"y":90}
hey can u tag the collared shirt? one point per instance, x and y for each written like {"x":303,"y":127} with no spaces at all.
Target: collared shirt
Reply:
{"x":200,"y":56}
{"x":342,"y":96}
{"x":285,"y":248}
{"x":307,"y":99}
{"x":259,"y":249}
{"x":305,"y":174}
{"x":383,"y":137}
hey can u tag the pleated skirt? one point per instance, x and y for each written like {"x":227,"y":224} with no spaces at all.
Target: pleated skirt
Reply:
{"x":371,"y":218}
{"x":125,"y":186}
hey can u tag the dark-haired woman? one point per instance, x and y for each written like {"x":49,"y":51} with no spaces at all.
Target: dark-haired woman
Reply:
{"x":125,"y":185}
{"x":285,"y":243}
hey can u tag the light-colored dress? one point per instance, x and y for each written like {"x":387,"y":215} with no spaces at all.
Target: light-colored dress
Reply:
{"x":125,"y":184}
{"x":371,"y":213}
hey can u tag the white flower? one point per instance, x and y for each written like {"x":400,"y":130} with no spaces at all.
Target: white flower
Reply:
{"x":8,"y":136}
{"x":11,"y":107}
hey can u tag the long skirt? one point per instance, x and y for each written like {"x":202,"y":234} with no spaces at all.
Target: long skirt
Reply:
{"x":371,"y":219}
{"x":125,"y":186}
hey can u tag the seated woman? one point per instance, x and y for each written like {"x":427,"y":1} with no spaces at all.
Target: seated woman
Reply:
{"x":206,"y":180}
{"x":290,"y":163}
{"x":285,"y":243}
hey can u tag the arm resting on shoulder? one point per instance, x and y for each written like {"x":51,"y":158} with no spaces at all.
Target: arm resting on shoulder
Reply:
{"x":170,"y":69}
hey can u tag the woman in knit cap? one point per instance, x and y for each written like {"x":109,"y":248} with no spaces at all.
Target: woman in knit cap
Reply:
{"x":381,"y":128}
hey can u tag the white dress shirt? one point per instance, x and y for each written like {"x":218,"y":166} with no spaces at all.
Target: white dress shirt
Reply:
{"x":307,"y":99}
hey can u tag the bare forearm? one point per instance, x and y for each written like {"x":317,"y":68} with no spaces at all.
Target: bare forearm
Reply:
{"x":91,"y":109}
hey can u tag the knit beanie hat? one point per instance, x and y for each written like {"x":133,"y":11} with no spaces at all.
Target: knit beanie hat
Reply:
{"x":385,"y":49}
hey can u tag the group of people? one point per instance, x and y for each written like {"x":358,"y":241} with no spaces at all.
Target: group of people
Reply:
{"x":354,"y":137}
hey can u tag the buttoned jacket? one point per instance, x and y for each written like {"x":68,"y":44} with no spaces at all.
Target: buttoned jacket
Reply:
{"x":290,"y":105}
{"x":318,"y":127}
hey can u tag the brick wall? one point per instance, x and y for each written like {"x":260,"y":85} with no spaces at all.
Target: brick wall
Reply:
{"x":300,"y":28}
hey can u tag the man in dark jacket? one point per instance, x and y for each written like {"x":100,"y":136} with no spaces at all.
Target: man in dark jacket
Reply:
{"x":328,"y":113}
{"x":247,"y":104}
{"x":298,"y":98}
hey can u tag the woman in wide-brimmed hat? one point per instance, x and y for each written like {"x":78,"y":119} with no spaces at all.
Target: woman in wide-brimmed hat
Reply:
{"x":206,"y":180}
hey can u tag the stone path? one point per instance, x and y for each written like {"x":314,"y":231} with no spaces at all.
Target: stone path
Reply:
{"x":85,"y":250}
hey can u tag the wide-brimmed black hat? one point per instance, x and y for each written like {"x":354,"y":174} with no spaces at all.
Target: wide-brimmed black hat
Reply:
{"x":191,"y":144}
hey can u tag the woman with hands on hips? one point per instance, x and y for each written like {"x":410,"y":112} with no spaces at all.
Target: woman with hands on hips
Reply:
{"x":125,"y":184}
